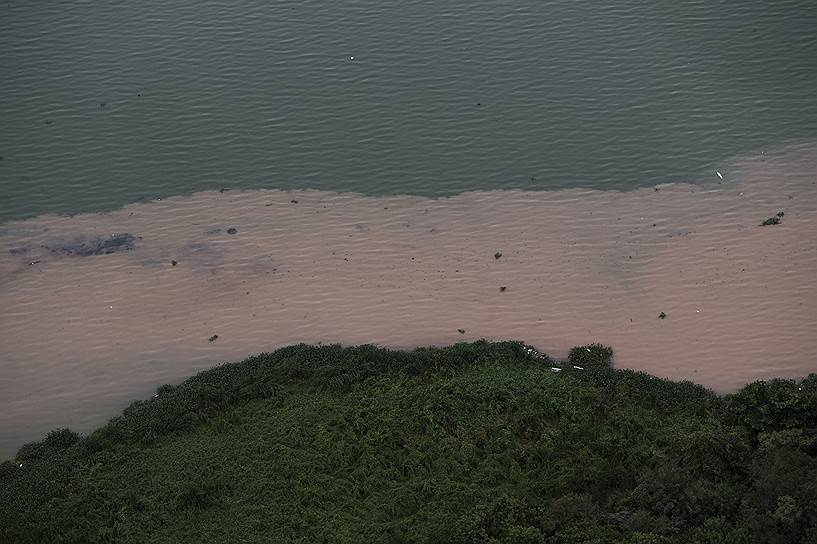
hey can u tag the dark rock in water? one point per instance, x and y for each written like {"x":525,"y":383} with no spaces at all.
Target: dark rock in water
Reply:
{"x":20,"y":250}
{"x":772,"y":220}
{"x":102,"y":245}
{"x":232,"y":230}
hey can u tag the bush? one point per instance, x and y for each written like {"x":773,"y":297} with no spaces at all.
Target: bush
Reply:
{"x":478,"y":442}
{"x":591,"y":356}
{"x":55,"y":441}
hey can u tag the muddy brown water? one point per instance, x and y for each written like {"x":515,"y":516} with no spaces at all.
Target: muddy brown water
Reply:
{"x":84,"y":335}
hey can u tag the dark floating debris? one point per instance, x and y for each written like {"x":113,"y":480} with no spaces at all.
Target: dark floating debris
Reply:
{"x":32,"y":263}
{"x":213,"y":338}
{"x":101,"y":245}
{"x":20,"y":250}
{"x":232,"y":230}
{"x":662,"y":315}
{"x":497,"y":255}
{"x":503,"y":288}
{"x":293,"y":201}
{"x":174,"y":262}
{"x":461,"y":331}
{"x":773,"y":220}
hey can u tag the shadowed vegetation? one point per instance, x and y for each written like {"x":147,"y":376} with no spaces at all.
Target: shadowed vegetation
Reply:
{"x":475,"y":443}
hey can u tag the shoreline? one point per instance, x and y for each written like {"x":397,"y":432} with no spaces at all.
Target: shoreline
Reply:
{"x":96,"y":321}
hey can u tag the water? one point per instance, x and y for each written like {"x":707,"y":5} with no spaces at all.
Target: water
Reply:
{"x":509,"y":127}
{"x":106,"y":104}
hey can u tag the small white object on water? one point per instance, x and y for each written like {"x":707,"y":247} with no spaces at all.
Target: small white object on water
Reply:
{"x":110,"y":307}
{"x":351,"y":58}
{"x":21,"y":465}
{"x":697,"y":311}
{"x":719,"y":174}
{"x":588,"y":350}
{"x":555,"y":369}
{"x":578,"y":367}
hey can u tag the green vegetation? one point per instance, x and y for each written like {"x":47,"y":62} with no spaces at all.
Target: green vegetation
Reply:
{"x":476,"y":443}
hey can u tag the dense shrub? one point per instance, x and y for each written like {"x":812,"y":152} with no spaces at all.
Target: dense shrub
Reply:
{"x":592,"y":356}
{"x":477,"y":443}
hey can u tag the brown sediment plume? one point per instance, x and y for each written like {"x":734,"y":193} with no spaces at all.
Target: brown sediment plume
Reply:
{"x":85,"y":334}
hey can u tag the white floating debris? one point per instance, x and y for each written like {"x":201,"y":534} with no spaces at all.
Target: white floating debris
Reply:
{"x":578,"y":367}
{"x":555,"y":369}
{"x":719,"y":174}
{"x":351,"y":58}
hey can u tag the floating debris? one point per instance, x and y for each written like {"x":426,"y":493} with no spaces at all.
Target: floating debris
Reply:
{"x":213,"y":338}
{"x":662,"y":315}
{"x":503,"y":288}
{"x":461,"y":331}
{"x":174,"y":262}
{"x":102,"y":245}
{"x":775,"y":220}
{"x":497,"y":255}
{"x":20,"y":250}
{"x":232,"y":230}
{"x":532,"y":352}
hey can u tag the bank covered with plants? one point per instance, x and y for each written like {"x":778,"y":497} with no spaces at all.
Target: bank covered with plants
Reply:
{"x":475,"y":443}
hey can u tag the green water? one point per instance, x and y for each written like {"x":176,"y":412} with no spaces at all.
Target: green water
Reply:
{"x":105,"y":104}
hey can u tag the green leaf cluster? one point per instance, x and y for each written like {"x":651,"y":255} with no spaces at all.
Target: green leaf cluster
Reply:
{"x":475,"y":443}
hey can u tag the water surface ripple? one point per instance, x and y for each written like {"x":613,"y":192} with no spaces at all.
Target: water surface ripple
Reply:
{"x":102,"y":104}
